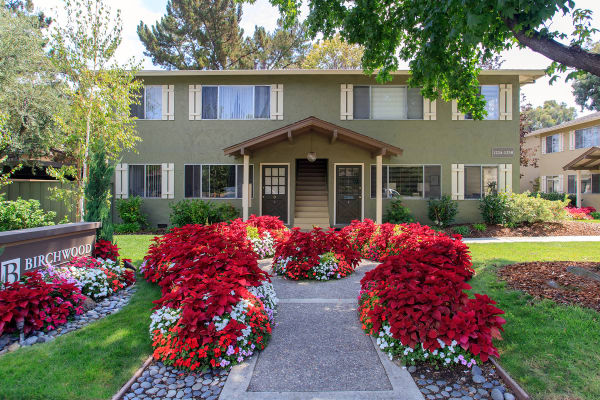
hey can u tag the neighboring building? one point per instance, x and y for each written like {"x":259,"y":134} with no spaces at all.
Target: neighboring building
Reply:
{"x":566,"y":151}
{"x":310,"y":146}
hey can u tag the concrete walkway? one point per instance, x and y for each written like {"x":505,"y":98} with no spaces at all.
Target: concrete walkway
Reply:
{"x":318,"y":350}
{"x":531,"y":239}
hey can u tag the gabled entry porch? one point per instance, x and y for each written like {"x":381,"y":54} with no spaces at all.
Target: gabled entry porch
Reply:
{"x":312,"y":172}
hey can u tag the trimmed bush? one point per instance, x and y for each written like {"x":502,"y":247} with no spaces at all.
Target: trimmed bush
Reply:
{"x":479,"y":227}
{"x":523,"y":208}
{"x":494,"y":208}
{"x":131,"y":227}
{"x":202,"y":212}
{"x":23,"y":214}
{"x":264,"y":233}
{"x":555,"y":197}
{"x":442,"y":212}
{"x":397,"y":213}
{"x":595,"y":215}
{"x":462,"y":230}
{"x":130,"y":212}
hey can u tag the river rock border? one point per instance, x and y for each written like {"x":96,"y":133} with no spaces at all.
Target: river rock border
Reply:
{"x":110,"y":305}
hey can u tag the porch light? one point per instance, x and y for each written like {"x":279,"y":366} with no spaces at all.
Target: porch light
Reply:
{"x":311,"y":156}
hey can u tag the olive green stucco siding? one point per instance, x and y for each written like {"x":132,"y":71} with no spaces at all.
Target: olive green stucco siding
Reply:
{"x":442,"y":141}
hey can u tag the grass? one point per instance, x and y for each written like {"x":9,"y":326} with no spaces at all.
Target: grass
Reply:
{"x":552,"y":350}
{"x":92,"y":362}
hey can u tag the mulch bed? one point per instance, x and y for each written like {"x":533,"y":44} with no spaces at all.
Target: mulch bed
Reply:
{"x":551,"y":280}
{"x":569,"y":228}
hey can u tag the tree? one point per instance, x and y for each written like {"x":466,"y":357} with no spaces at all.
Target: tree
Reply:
{"x":586,"y":87}
{"x":334,"y":53}
{"x":97,"y":192}
{"x":550,"y":114}
{"x":527,"y":156}
{"x":444,"y":41}
{"x":206,"y":34}
{"x":29,"y":89}
{"x":99,"y":91}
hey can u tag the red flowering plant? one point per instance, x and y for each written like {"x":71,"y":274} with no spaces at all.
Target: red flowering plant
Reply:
{"x":416,"y":305}
{"x":359,"y":233}
{"x":318,"y":254}
{"x":217,"y":305}
{"x":106,"y":250}
{"x":264,"y":233}
{"x":38,"y":304}
{"x":580,"y":213}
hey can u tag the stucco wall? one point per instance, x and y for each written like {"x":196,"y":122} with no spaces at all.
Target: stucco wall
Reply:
{"x":442,"y":141}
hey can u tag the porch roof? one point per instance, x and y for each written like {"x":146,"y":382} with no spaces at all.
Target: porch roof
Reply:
{"x":587,"y":161}
{"x":313,"y":124}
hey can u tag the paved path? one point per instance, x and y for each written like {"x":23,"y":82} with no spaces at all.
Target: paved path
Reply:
{"x":533,"y":239}
{"x":318,"y":350}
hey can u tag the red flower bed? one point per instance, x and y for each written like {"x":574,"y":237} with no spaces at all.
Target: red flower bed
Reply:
{"x":106,"y":250}
{"x":38,"y":304}
{"x":580,"y":213}
{"x":417,"y":300}
{"x":359,"y":233}
{"x":317,"y":254}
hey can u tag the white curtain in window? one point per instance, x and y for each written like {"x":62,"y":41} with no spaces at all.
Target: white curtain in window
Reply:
{"x":388,"y":102}
{"x":236,"y":102}
{"x":153,"y":102}
{"x":491,"y":93}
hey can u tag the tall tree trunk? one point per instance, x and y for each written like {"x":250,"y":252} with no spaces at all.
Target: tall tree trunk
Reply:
{"x":85,"y":164}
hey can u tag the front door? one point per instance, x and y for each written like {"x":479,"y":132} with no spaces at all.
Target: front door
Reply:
{"x":275,"y":191}
{"x":348,"y":193}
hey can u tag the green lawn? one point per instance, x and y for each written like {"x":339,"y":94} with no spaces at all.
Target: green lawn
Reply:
{"x":552,"y":350}
{"x":92,"y":362}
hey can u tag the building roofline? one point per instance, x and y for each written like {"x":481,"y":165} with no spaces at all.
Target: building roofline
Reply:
{"x":586,"y":119}
{"x":525,"y":75}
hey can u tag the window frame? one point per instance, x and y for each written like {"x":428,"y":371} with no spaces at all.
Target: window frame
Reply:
{"x":145,"y":179}
{"x":238,"y":119}
{"x":555,"y":183}
{"x":469,"y":117}
{"x":150,"y":119}
{"x":557,"y":146}
{"x":251,"y":167}
{"x":481,"y":188}
{"x":374,"y":183}
{"x":596,"y":130}
{"x":371,"y":104}
{"x":585,"y":177}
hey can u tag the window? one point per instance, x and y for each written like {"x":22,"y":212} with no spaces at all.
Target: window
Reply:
{"x":480,"y":180}
{"x":587,"y":137}
{"x":586,"y":184}
{"x":387,"y":102}
{"x":150,"y":106}
{"x":216,"y":181}
{"x":552,"y":143}
{"x":552,"y":184}
{"x":145,"y":180}
{"x":236,"y":102}
{"x":408,"y":181}
{"x":491,"y":93}
{"x":595,"y":183}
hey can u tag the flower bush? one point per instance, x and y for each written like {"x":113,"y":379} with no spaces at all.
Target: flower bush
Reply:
{"x":106,"y":250}
{"x":264,"y":233}
{"x":581,"y":213}
{"x":217,"y":305}
{"x":38,"y":304}
{"x":416,"y":305}
{"x":318,"y":254}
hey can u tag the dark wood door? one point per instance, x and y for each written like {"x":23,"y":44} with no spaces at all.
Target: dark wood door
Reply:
{"x":348,"y":198}
{"x":275,"y":191}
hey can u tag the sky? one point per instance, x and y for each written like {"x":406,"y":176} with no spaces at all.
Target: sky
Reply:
{"x":261,"y":13}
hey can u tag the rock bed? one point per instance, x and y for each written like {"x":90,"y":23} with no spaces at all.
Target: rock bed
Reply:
{"x":162,"y":382}
{"x":110,"y":305}
{"x":460,"y":383}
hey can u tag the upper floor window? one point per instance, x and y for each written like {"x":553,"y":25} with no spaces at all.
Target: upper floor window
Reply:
{"x":491,"y":93}
{"x":479,"y":180}
{"x":150,"y":104}
{"x":145,"y":180}
{"x":387,"y":102}
{"x":236,"y":102}
{"x":552,"y":143}
{"x":408,"y":181}
{"x":216,"y":181}
{"x":588,"y":137}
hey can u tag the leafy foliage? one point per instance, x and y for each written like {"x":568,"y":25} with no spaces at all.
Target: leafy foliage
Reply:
{"x":23,"y":214}
{"x":97,"y":193}
{"x":493,"y":208}
{"x":196,"y":211}
{"x":397,"y":213}
{"x":106,"y":250}
{"x":586,"y":86}
{"x":443,"y":211}
{"x":462,"y":230}
{"x":130,"y":212}
{"x":334,"y":53}
{"x":550,"y":114}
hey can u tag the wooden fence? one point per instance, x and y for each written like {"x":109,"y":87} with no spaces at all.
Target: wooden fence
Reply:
{"x":39,"y":190}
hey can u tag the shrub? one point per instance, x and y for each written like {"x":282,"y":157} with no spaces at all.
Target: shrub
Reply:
{"x":416,"y":304}
{"x":195,"y":211}
{"x":462,"y":230}
{"x":582,"y":213}
{"x":23,"y":214}
{"x":316,"y":255}
{"x":97,"y":191}
{"x":38,"y":304}
{"x":264,"y":233}
{"x":131,"y":227}
{"x":595,"y":215}
{"x":359,"y":234}
{"x":443,"y":211}
{"x":523,"y":208}
{"x":397,"y":213}
{"x":106,"y":250}
{"x":480,"y":227}
{"x":555,"y":197}
{"x":130,"y":211}
{"x":493,"y":208}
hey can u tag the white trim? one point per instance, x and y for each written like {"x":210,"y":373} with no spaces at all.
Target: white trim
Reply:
{"x":288,"y":188}
{"x":458,"y":182}
{"x":362,"y":187}
{"x":456,"y":114}
{"x":253,"y":100}
{"x":217,"y":198}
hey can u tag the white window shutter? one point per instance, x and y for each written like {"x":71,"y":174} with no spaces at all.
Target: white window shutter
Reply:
{"x":506,"y":101}
{"x":561,"y":181}
{"x":458,"y":181}
{"x":167,"y":180}
{"x":543,"y":183}
{"x":561,"y":142}
{"x":171,"y":192}
{"x":122,"y":181}
{"x":572,"y":140}
{"x":168,"y":102}
{"x":195,"y":102}
{"x":347,"y":102}
{"x":118,"y":181}
{"x":277,"y":101}
{"x":543,"y":144}
{"x":429,"y":108}
{"x":456,"y":115}
{"x":505,"y":178}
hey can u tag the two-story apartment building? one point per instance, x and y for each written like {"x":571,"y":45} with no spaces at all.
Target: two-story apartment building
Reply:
{"x":568,"y":159}
{"x":317,"y":147}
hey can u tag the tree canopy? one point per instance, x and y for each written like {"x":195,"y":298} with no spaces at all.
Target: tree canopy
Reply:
{"x":550,"y":114}
{"x":206,"y":34}
{"x":586,"y":87}
{"x":444,"y":41}
{"x":334,"y":53}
